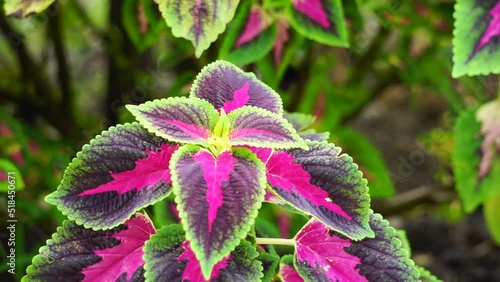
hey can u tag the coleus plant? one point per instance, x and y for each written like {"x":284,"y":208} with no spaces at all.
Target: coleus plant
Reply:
{"x":222,"y":151}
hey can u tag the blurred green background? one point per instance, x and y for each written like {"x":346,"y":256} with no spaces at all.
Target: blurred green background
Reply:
{"x":389,"y":101}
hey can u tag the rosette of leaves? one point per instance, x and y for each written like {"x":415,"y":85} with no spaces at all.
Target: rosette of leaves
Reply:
{"x":223,"y":151}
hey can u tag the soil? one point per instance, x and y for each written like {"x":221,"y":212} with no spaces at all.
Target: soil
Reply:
{"x":461,"y":251}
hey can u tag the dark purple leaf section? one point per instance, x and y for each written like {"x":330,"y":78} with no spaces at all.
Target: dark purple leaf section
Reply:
{"x":323,"y":183}
{"x":227,"y":87}
{"x":383,"y":258}
{"x":257,"y":127}
{"x":169,"y":258}
{"x":218,"y":199}
{"x":120,"y":172}
{"x":78,"y":254}
{"x":325,"y":255}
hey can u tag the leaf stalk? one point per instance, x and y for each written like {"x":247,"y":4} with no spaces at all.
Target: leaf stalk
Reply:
{"x":275,"y":241}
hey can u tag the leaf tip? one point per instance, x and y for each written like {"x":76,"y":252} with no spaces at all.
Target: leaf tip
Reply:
{"x":132,"y":108}
{"x":51,"y":198}
{"x":206,"y":269}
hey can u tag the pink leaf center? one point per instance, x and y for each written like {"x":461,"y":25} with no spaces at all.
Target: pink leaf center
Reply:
{"x":215,"y":172}
{"x":192,"y":272}
{"x":148,"y":171}
{"x":257,"y":22}
{"x":125,"y":257}
{"x":240,"y":99}
{"x":284,"y":173}
{"x":192,"y":130}
{"x":314,"y":10}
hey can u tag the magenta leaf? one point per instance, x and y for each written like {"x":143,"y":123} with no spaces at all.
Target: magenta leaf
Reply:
{"x":476,"y":38}
{"x":322,"y":257}
{"x":323,"y":183}
{"x":170,"y":258}
{"x":322,"y":254}
{"x":260,"y":128}
{"x":178,"y":119}
{"x":227,"y":87}
{"x":78,"y":254}
{"x":120,"y":172}
{"x":218,"y":198}
{"x":320,"y":20}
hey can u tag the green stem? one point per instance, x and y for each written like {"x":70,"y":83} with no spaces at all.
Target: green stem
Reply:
{"x":275,"y":241}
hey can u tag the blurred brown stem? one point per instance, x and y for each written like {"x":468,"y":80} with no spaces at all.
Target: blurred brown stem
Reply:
{"x":38,"y":94}
{"x":426,"y":194}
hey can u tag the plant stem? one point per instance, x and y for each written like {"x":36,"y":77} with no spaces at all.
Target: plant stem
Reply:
{"x":55,"y":32}
{"x":275,"y":241}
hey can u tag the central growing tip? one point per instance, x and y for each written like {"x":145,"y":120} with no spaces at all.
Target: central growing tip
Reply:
{"x":219,"y":141}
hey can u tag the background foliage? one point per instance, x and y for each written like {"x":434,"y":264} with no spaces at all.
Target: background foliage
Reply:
{"x":389,"y":100}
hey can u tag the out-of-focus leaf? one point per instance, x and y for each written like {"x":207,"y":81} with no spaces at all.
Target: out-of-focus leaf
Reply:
{"x":369,"y":160}
{"x":491,"y":212}
{"x":199,"y":21}
{"x":476,"y":48}
{"x":353,"y":14}
{"x":472,"y":189}
{"x":320,"y":20}
{"x":489,"y":116}
{"x":141,"y":22}
{"x":10,"y":176}
{"x":250,"y":36}
{"x":23,"y":8}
